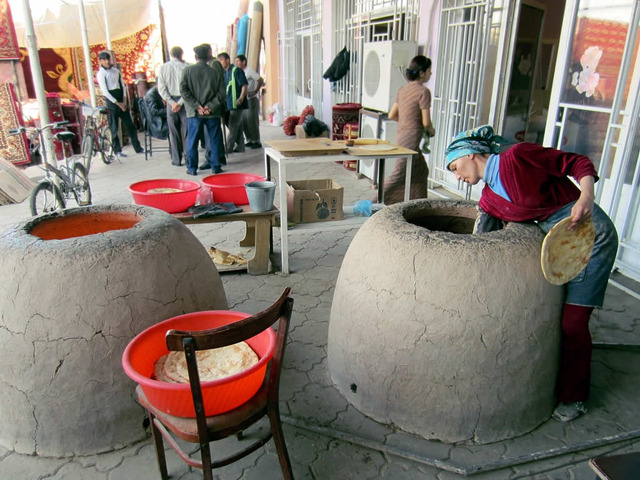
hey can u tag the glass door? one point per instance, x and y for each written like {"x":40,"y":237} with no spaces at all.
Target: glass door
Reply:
{"x":523,"y":71}
{"x":594,"y":108}
{"x":303,"y":70}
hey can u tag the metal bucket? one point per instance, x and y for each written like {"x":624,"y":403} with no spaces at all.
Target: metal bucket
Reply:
{"x":261,"y":195}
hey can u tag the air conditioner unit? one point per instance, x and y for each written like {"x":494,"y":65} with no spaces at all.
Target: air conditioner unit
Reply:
{"x":369,"y":129}
{"x":383,"y":72}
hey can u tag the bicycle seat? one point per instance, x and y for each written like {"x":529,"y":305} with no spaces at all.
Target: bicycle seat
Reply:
{"x":64,"y":136}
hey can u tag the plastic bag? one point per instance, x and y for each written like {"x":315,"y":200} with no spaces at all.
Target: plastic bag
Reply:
{"x":205,"y":196}
{"x":278,"y":115}
{"x":363,"y":208}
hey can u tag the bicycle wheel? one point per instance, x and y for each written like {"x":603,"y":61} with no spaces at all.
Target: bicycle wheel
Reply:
{"x":45,"y":198}
{"x":81,"y":187}
{"x":106,"y":149}
{"x":87,"y":151}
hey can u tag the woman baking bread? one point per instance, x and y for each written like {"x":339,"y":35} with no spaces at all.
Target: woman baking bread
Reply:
{"x":529,"y":182}
{"x":412,"y":110}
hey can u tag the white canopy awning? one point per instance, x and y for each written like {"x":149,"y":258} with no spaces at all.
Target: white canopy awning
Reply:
{"x":57,"y":22}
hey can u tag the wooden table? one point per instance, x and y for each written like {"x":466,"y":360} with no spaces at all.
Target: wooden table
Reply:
{"x":317,"y":150}
{"x":257,"y":234}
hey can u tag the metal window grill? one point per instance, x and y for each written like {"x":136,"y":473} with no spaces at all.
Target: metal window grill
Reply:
{"x":368,"y":21}
{"x":301,"y":19}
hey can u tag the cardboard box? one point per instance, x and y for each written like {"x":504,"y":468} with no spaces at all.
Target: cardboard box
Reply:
{"x":314,"y":200}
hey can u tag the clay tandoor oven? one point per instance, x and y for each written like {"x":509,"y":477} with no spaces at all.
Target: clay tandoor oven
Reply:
{"x":76,"y":287}
{"x":445,"y":334}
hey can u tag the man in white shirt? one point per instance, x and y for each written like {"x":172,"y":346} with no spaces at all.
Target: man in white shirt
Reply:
{"x":115,"y":92}
{"x":251,"y":116}
{"x":168,"y":80}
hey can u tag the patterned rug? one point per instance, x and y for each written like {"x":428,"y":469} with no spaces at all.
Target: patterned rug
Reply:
{"x":8,"y":41}
{"x":12,"y":148}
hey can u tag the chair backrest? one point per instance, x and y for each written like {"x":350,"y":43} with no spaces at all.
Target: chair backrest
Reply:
{"x":145,"y":115}
{"x":191,"y":341}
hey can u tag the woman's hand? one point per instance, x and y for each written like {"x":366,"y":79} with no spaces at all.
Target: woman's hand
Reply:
{"x":583,"y":208}
{"x":393,"y":113}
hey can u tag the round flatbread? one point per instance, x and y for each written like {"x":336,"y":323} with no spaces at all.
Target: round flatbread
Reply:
{"x":565,"y":253}
{"x":164,"y":190}
{"x":213,"y":364}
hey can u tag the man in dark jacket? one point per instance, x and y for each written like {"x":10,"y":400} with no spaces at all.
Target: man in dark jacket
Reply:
{"x":157,"y":114}
{"x":236,"y":83}
{"x":203,"y":91}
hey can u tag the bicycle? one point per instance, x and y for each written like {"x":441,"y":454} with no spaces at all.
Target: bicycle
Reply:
{"x":65,"y":182}
{"x":97,"y":135}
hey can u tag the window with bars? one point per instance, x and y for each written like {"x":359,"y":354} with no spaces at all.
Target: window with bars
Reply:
{"x":363,"y":21}
{"x":301,"y":78}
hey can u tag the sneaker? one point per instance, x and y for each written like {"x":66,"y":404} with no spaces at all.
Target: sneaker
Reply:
{"x":565,"y":412}
{"x":121,"y":155}
{"x":217,"y":170}
{"x":254,"y":145}
{"x":204,"y":166}
{"x":140,"y":150}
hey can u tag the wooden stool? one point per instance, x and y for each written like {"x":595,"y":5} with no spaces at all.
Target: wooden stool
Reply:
{"x":257,"y":234}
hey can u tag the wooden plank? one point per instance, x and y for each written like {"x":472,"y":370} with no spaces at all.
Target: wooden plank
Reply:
{"x":324,"y":146}
{"x":617,"y":467}
{"x":307,"y":146}
{"x":363,"y":152}
{"x":14,"y":184}
{"x":259,"y":264}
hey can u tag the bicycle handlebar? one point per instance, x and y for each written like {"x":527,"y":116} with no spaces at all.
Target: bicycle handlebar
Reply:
{"x":22,"y":128}
{"x":99,"y":109}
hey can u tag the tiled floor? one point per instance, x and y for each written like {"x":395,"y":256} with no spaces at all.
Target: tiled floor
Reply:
{"x":328,"y":438}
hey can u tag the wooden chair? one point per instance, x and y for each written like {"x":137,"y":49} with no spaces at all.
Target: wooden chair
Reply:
{"x":145,"y":118}
{"x":203,"y":429}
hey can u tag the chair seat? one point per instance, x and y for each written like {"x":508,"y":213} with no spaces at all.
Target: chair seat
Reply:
{"x":218,"y":426}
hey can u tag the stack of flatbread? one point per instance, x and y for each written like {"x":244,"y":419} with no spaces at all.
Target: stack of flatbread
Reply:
{"x":220,"y":257}
{"x":164,"y":190}
{"x":213,"y":364}
{"x":565,"y":253}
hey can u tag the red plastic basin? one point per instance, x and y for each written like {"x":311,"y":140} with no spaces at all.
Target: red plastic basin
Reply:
{"x":229,"y":187}
{"x":173,"y":202}
{"x":221,"y":395}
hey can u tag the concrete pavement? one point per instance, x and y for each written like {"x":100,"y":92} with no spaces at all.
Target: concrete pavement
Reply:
{"x":328,"y":438}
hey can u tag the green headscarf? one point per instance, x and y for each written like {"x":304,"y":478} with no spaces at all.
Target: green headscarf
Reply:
{"x":477,"y":140}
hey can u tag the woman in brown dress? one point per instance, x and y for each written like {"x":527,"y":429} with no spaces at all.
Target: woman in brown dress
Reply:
{"x":412,"y":110}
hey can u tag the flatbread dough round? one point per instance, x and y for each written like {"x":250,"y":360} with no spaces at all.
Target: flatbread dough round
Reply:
{"x":213,"y":364}
{"x":164,"y":190}
{"x":565,"y":253}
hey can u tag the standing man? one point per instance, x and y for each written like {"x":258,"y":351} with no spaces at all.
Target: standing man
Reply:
{"x":113,"y":88}
{"x":236,"y":102}
{"x":168,"y":79}
{"x":250,"y":117}
{"x":215,"y":64}
{"x":202,"y":89}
